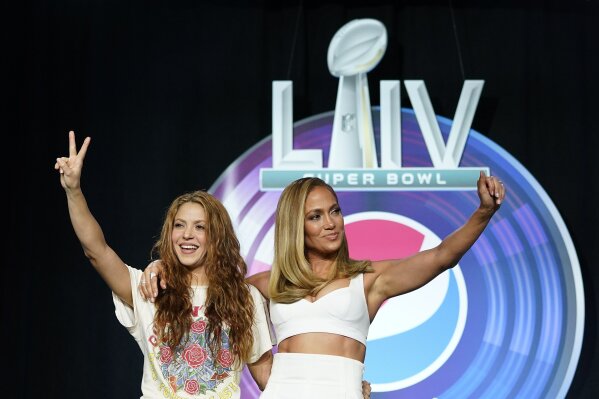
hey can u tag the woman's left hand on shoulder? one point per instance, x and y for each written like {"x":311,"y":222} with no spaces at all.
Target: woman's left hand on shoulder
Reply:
{"x":148,"y":285}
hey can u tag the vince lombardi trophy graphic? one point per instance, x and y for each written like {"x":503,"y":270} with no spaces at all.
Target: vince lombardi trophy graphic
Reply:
{"x":355,"y":50}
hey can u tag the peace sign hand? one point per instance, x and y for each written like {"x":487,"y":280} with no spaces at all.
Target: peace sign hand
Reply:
{"x":70,"y":168}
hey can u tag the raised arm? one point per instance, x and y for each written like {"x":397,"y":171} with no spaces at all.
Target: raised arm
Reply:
{"x":106,"y":262}
{"x":396,"y":277}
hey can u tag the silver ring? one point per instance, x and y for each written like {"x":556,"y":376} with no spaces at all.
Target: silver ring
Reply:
{"x":142,"y":282}
{"x":152,"y":275}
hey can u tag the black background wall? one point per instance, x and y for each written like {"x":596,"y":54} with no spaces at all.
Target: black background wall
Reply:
{"x":172,"y":92}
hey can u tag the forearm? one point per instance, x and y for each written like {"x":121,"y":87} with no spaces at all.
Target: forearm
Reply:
{"x":260,"y":370}
{"x":455,"y":245}
{"x":86,"y":227}
{"x":261,"y":378}
{"x":106,"y":262}
{"x":399,"y":276}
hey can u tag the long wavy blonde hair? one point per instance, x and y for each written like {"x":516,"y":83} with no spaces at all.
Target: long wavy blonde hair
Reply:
{"x":291,"y":276}
{"x":228,"y":303}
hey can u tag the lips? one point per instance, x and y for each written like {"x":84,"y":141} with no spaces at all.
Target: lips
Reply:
{"x":188,"y":248}
{"x":332,"y":236}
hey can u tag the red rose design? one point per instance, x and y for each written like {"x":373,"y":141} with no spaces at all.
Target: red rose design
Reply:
{"x":194,"y":355}
{"x":191,"y":386}
{"x":224,"y":357}
{"x":198,"y":326}
{"x":153,"y":340}
{"x":166,"y":355}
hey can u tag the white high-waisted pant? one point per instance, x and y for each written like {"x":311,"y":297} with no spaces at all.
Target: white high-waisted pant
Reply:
{"x":308,"y":376}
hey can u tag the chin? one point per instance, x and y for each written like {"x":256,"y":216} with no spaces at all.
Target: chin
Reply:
{"x":186,"y":261}
{"x":331,"y":250}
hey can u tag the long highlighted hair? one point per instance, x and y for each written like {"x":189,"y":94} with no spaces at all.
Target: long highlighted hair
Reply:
{"x":291,"y":277}
{"x":228,"y":304}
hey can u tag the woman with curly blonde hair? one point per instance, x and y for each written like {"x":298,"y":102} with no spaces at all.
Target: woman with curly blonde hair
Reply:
{"x":197,"y":334}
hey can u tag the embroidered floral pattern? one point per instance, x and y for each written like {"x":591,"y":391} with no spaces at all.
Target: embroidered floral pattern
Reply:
{"x":192,"y":386}
{"x":194,"y":355}
{"x":191,"y":367}
{"x":198,"y":326}
{"x":166,"y":355}
{"x":224,"y":357}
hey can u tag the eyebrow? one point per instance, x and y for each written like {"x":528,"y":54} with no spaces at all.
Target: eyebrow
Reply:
{"x":335,"y":205}
{"x":194,"y":221}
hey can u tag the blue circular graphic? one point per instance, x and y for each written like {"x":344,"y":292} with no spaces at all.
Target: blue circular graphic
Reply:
{"x":525,"y":319}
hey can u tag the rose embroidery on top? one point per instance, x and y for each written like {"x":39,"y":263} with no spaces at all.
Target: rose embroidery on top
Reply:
{"x":194,"y":355}
{"x":198,"y":326}
{"x":191,"y":367}
{"x":192,"y":386}
{"x":166,"y":354}
{"x":224,"y":357}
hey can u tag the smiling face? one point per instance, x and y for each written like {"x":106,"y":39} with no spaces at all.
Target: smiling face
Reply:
{"x":189,"y":234}
{"x":323,"y":224}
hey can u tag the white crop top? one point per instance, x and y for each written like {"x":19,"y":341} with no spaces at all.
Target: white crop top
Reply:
{"x":342,"y":311}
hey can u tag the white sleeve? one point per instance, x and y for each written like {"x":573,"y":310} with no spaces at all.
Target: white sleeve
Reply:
{"x":127,"y":316}
{"x":261,"y":330}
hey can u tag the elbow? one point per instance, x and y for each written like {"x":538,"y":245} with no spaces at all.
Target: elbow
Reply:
{"x":447,"y":257}
{"x":260,"y":370}
{"x":91,"y":255}
{"x":447,"y":263}
{"x":260,"y":383}
{"x":95,"y":250}
{"x":452,"y":264}
{"x":263,"y":381}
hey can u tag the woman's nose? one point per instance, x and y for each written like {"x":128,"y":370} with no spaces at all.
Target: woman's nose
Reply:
{"x":329,"y":223}
{"x":188,"y":233}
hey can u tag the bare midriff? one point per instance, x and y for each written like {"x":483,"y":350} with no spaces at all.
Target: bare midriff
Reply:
{"x":324,"y":344}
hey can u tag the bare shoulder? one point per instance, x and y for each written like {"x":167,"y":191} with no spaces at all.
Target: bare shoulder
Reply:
{"x":260,"y":281}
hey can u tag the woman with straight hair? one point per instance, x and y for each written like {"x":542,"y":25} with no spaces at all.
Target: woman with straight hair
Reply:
{"x":322,"y":302}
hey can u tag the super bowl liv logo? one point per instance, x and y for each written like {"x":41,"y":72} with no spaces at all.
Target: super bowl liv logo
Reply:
{"x":355,"y":50}
{"x":508,"y":321}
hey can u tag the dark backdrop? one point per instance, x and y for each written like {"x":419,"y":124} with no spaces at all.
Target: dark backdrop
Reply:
{"x":173,"y":92}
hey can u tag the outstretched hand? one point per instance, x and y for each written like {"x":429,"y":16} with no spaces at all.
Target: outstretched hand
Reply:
{"x":70,"y":167}
{"x":491,"y":192}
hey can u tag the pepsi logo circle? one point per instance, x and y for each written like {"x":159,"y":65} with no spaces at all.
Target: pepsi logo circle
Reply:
{"x":507,"y":322}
